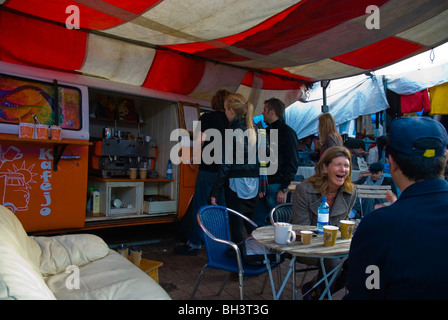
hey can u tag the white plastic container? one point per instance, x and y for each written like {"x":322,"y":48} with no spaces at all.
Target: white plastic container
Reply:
{"x":95,"y":202}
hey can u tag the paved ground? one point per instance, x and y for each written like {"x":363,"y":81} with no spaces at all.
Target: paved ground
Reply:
{"x":179,"y":274}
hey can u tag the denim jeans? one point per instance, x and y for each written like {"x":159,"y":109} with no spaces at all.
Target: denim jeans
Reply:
{"x":265,"y":205}
{"x":204,"y":184}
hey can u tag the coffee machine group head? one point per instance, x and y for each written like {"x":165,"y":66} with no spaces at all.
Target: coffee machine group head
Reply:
{"x":112,"y":157}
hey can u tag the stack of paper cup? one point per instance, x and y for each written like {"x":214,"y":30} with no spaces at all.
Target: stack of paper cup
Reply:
{"x":42,"y":131}
{"x":143,"y":172}
{"x":133,"y":173}
{"x":55,"y":132}
{"x":26,"y":130}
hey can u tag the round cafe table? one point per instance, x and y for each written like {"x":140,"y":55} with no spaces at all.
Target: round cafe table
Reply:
{"x":316,"y":249}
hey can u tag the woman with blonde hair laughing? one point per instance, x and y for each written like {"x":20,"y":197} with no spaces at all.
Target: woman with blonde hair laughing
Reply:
{"x":332,"y":179}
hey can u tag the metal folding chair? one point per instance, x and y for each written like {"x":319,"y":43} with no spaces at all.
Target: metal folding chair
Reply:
{"x":282,"y":213}
{"x":214,"y":222}
{"x":371,"y":192}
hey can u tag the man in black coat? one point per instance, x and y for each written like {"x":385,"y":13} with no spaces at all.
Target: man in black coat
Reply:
{"x":287,"y":159}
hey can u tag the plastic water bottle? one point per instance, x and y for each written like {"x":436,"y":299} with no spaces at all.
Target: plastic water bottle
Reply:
{"x":169,"y":170}
{"x":323,"y":215}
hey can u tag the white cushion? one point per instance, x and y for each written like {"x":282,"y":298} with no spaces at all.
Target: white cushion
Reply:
{"x":20,"y":277}
{"x":103,"y":273}
{"x":111,"y":278}
{"x":12,"y":234}
{"x":59,"y":252}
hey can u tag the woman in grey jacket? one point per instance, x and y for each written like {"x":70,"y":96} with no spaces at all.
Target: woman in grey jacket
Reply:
{"x":332,"y":179}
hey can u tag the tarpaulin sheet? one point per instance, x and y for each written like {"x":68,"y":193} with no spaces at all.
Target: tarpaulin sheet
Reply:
{"x":347,"y":99}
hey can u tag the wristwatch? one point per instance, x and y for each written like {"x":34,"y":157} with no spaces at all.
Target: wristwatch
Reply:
{"x":285,"y":190}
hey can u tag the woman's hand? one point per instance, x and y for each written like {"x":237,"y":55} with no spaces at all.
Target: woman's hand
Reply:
{"x":213,"y":201}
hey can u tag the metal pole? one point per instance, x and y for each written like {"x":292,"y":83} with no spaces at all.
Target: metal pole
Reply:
{"x":324,"y":84}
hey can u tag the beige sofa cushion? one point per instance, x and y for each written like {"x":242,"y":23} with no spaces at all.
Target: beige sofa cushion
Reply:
{"x":12,"y":232}
{"x":19,"y":261}
{"x":102,"y":273}
{"x":112,"y":277}
{"x":59,"y":252}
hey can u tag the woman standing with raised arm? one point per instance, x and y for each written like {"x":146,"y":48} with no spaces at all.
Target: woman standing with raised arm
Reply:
{"x":207,"y":171}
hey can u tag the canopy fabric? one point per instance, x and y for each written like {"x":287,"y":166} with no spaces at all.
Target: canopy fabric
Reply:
{"x":194,"y":47}
{"x":347,"y":99}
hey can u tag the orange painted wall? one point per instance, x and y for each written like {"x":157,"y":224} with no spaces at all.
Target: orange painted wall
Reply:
{"x":187,"y":184}
{"x":42,"y":198}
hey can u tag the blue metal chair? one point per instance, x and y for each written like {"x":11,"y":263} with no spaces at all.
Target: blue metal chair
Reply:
{"x":214,"y":221}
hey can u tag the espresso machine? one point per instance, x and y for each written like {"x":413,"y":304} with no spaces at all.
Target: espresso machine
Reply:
{"x":113,"y":156}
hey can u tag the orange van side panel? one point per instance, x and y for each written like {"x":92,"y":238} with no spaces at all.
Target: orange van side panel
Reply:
{"x":186,"y":186}
{"x":44,"y":199}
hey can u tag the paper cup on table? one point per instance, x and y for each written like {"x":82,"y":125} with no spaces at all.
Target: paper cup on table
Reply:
{"x":330,"y":235}
{"x":143,"y":173}
{"x":347,"y":227}
{"x":123,"y":250}
{"x":306,"y":235}
{"x":283,"y":233}
{"x":55,"y":132}
{"x":26,"y":130}
{"x":136,"y":256}
{"x":42,"y":131}
{"x":133,"y":173}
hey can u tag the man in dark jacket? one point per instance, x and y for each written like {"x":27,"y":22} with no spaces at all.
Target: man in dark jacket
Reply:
{"x":398,"y":251}
{"x":287,"y":159}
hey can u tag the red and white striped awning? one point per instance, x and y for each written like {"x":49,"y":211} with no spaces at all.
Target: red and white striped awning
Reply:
{"x":194,"y":47}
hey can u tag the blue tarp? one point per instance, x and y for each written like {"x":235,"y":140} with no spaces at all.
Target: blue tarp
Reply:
{"x":347,"y":100}
{"x":352,"y":97}
{"x":412,"y":82}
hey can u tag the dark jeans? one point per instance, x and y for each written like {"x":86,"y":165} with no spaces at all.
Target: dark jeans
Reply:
{"x":204,"y":184}
{"x":244,"y":206}
{"x":266,"y":204}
